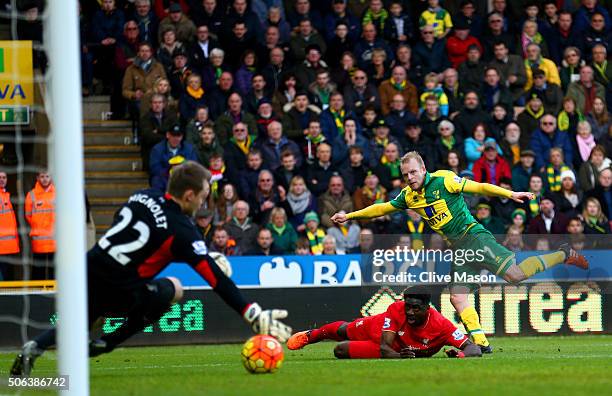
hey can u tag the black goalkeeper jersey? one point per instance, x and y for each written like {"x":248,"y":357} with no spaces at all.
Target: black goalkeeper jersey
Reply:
{"x":149,"y":232}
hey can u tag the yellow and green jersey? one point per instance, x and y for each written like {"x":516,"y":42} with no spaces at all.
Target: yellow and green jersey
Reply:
{"x":440,"y":202}
{"x":439,"y":18}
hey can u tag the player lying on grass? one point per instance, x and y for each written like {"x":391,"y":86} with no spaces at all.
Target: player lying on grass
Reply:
{"x":409,"y":329}
{"x":438,"y":198}
{"x":150,"y":231}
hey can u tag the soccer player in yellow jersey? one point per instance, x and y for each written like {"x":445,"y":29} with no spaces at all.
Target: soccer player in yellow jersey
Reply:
{"x":438,"y":198}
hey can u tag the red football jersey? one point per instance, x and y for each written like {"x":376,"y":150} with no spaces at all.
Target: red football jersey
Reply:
{"x":429,"y":338}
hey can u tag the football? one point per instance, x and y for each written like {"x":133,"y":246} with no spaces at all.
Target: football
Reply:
{"x":222,"y":262}
{"x":262,"y":354}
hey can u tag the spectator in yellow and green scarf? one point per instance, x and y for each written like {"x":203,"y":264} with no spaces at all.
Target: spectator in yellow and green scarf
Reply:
{"x":375,"y":14}
{"x":555,"y":167}
{"x":389,"y":168}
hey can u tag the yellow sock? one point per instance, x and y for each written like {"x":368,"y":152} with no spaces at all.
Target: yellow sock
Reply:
{"x":470,"y":320}
{"x":534,"y":264}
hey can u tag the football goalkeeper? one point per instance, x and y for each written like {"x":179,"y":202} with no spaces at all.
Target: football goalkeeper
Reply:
{"x":438,"y":198}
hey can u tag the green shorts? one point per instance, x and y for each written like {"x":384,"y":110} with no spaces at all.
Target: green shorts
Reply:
{"x":477,"y":250}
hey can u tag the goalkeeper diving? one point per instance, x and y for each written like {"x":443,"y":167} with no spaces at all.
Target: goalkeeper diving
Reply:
{"x":438,"y":198}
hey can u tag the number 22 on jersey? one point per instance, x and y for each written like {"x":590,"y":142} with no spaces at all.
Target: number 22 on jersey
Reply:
{"x":119,"y":252}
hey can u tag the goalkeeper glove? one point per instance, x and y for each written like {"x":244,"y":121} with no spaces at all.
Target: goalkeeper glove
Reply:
{"x":266,"y":321}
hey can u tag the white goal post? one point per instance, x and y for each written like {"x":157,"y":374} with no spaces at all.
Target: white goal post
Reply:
{"x":66,"y":158}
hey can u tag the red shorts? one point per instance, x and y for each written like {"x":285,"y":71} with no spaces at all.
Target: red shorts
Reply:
{"x":364,"y":337}
{"x":365,"y":329}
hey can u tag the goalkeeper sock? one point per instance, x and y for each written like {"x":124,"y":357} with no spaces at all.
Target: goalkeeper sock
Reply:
{"x":534,"y":264}
{"x":46,"y":339}
{"x":470,"y":320}
{"x":326,"y":332}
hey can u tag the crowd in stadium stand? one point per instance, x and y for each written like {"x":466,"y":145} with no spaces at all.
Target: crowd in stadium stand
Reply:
{"x":303,"y":108}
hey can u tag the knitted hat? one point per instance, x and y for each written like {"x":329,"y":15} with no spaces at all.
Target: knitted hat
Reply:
{"x":520,"y":212}
{"x":311,"y":216}
{"x":568,"y":173}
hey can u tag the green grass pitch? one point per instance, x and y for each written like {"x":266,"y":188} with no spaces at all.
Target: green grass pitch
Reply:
{"x":577,"y":365}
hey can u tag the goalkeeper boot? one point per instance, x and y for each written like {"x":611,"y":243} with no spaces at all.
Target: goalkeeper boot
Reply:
{"x":299,"y":340}
{"x":486,"y":349}
{"x":572,"y":257}
{"x":24,"y":362}
{"x":98,"y":347}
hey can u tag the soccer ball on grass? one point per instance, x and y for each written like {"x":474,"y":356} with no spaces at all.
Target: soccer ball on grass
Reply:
{"x":262,"y":354}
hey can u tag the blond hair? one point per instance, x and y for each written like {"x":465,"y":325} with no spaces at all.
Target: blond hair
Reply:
{"x":413,"y":155}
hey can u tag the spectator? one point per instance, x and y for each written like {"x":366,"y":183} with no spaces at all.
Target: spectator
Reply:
{"x":457,"y":45}
{"x":588,"y":174}
{"x":536,"y":186}
{"x":9,"y":235}
{"x":522,"y":172}
{"x":125,"y":53}
{"x":494,"y":93}
{"x":240,"y":41}
{"x":511,"y":69}
{"x":287,"y":170}
{"x":570,"y":67}
{"x":256,"y":95}
{"x":171,"y":147}
{"x":510,"y":146}
{"x":599,"y":118}
{"x":302,"y":247}
{"x":332,"y":119}
{"x":139,"y":79}
{"x":224,"y":204}
{"x":519,"y":219}
{"x":437,"y":17}
{"x":375,"y":14}
{"x":239,"y":11}
{"x":598,"y":33}
{"x":514,"y":239}
{"x":603,"y":192}
{"x":241,"y":227}
{"x":454,"y":163}
{"x":379,"y":142}
{"x":192,"y":98}
{"x":413,"y":140}
{"x":335,"y":199}
{"x":284,"y":235}
{"x":203,"y":219}
{"x":603,"y":70}
{"x":219,"y":95}
{"x":585,"y":142}
{"x":531,"y":35}
{"x":264,"y":245}
{"x":207,"y":145}
{"x":274,"y":72}
{"x":471,"y":71}
{"x":529,"y":119}
{"x":305,"y":36}
{"x":567,"y":199}
{"x":273,"y":17}
{"x":213,"y":71}
{"x":595,"y":221}
{"x":388,"y":168}
{"x":306,"y":70}
{"x":106,"y":28}
{"x":162,"y":87}
{"x":453,"y":91}
{"x":549,"y":221}
{"x":548,"y":136}
{"x":167,"y":47}
{"x":195,"y":126}
{"x":503,"y":207}
{"x":223,"y":243}
{"x":248,"y":177}
{"x":330,"y":246}
{"x":360,"y":93}
{"x":347,"y":65}
{"x":354,"y":174}
{"x":469,"y":16}
{"x":184,"y":27}
{"x":179,"y":72}
{"x":555,"y":167}
{"x":153,"y":126}
{"x":430,"y":52}
{"x":550,"y":94}
{"x":146,"y":20}
{"x":209,"y":14}
{"x":475,"y":145}
{"x":492,"y":223}
{"x":275,"y":144}
{"x":371,"y":193}
{"x":200,"y":51}
{"x":433,"y":88}
{"x":298,"y":118}
{"x":321,"y":89}
{"x":304,"y":10}
{"x":40,"y":215}
{"x":585,"y":13}
{"x":265,"y":197}
{"x":585,"y":90}
{"x":446,"y":141}
{"x":491,"y":167}
{"x":235,"y":114}
{"x":398,"y":84}
{"x":398,"y":28}
{"x":535,"y":60}
{"x":340,"y":15}
{"x":470,"y":115}
{"x":314,"y":233}
{"x":300,"y":201}
{"x":495,"y":33}
{"x":343,"y":143}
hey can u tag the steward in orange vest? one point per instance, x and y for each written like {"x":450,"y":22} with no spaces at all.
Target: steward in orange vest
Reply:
{"x":9,"y":238}
{"x":40,"y":214}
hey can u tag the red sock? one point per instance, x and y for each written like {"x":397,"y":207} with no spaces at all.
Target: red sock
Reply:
{"x":326,"y":332}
